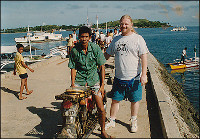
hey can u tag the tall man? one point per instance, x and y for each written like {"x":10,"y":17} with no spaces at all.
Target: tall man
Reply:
{"x":84,"y":59}
{"x":130,"y":52}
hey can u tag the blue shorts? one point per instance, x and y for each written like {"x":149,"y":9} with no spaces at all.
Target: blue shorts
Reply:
{"x":122,"y":91}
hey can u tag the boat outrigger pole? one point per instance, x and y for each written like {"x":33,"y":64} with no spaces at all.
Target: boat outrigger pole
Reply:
{"x":195,"y":55}
{"x":97,"y":23}
{"x":29,"y":41}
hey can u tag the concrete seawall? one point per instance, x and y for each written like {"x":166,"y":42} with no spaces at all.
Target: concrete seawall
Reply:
{"x":173,"y":121}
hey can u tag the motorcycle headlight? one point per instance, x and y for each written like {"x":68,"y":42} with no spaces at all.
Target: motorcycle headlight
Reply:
{"x":82,"y":102}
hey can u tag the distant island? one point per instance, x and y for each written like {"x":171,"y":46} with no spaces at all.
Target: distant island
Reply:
{"x":139,"y":23}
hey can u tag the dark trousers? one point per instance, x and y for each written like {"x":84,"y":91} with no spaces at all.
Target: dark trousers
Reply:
{"x":182,"y":58}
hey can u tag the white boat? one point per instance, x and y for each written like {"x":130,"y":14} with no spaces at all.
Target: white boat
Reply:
{"x":21,"y":40}
{"x":39,"y":36}
{"x":179,"y":29}
{"x":62,"y":30}
{"x":52,"y":36}
{"x":62,"y":50}
{"x":189,"y":62}
{"x":175,"y":29}
{"x":183,"y":28}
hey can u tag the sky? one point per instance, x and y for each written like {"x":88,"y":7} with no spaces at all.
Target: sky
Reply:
{"x":16,"y":14}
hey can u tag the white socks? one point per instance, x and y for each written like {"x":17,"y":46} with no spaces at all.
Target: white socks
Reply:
{"x":112,"y":119}
{"x":133,"y":117}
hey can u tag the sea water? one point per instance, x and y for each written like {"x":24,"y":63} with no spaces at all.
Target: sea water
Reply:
{"x":164,"y":44}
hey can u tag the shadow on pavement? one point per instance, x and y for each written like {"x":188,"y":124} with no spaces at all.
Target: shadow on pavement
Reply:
{"x":123,"y":124}
{"x":10,"y":91}
{"x":50,"y":120}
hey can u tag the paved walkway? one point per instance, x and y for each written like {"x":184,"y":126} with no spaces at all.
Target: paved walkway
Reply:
{"x":39,"y":115}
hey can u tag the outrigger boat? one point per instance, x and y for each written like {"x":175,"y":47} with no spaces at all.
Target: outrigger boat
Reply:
{"x":39,"y":36}
{"x":191,"y":62}
{"x":188,"y":64}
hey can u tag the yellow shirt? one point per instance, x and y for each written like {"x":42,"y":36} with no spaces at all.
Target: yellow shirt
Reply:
{"x":70,"y":42}
{"x":18,"y":62}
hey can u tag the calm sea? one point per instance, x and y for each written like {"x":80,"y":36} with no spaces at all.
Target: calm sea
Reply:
{"x":164,"y":44}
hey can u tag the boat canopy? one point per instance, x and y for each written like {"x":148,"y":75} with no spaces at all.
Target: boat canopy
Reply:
{"x":8,"y":49}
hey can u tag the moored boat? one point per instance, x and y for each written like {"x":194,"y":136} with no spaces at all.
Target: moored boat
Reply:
{"x":192,"y":62}
{"x":179,"y":29}
{"x":39,"y":36}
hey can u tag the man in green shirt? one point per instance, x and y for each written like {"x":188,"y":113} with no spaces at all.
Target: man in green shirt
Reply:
{"x":84,"y":59}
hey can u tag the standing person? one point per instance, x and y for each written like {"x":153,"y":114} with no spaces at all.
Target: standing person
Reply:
{"x":102,"y":39}
{"x":20,"y":67}
{"x":115,"y":33}
{"x":111,"y":34}
{"x":74,"y":36}
{"x":183,"y":55}
{"x":97,"y":36}
{"x":108,"y":40}
{"x":83,"y":62}
{"x":130,"y":52}
{"x":70,"y":44}
{"x":93,"y":37}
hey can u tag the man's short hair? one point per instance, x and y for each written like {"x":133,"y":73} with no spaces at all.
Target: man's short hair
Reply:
{"x":85,"y":29}
{"x":19,"y":45}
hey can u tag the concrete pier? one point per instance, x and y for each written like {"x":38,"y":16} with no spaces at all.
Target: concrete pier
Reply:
{"x":39,"y":114}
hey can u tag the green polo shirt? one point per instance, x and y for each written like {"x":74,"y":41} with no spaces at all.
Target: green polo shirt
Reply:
{"x":86,"y":64}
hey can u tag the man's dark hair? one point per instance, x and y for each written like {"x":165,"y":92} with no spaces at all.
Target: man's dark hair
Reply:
{"x":19,"y":45}
{"x":85,"y":29}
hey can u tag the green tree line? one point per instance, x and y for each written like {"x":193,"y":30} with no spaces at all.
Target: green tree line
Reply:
{"x":140,"y":23}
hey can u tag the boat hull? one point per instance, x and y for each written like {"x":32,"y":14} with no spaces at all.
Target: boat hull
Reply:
{"x":183,"y":66}
{"x":177,"y":66}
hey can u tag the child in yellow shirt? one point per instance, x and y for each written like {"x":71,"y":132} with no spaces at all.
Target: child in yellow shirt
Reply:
{"x":20,"y":67}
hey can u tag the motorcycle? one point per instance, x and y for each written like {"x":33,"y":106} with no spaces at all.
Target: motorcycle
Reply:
{"x":79,"y":112}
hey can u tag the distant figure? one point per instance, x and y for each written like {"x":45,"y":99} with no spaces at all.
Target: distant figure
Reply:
{"x":111,"y":34}
{"x":115,"y":33}
{"x":93,"y":37}
{"x":97,"y":36}
{"x":70,"y":44}
{"x":43,"y":55}
{"x":102,"y":36}
{"x":108,"y":40}
{"x":74,"y":36}
{"x":183,"y":55}
{"x":20,"y":67}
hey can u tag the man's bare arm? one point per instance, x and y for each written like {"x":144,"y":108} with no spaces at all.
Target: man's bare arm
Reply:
{"x":24,"y":65}
{"x":102,"y":78}
{"x":143,"y":78}
{"x":73,"y":75}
